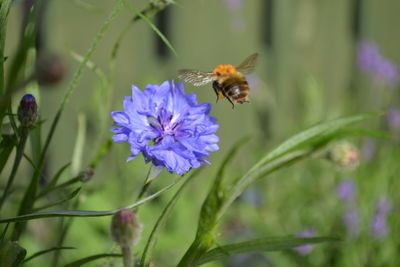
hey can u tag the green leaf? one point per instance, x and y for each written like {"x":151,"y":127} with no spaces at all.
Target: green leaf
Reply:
{"x":4,"y":9}
{"x":216,"y":194}
{"x":85,"y":260}
{"x":77,"y":155}
{"x":305,"y":142}
{"x":151,"y":242}
{"x":208,"y":214}
{"x":39,"y":253}
{"x":81,"y":213}
{"x":50,"y":187}
{"x":59,"y":202}
{"x":11,"y":254}
{"x":311,"y":133}
{"x":6,"y":146}
{"x":152,"y":26}
{"x":259,"y":245}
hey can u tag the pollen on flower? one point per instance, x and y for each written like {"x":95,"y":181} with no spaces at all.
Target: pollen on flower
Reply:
{"x":169,"y":128}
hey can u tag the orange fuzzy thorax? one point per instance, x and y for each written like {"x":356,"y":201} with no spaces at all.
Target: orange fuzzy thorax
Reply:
{"x":224,"y":70}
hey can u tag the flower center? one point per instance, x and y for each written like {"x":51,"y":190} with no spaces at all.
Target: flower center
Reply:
{"x":165,"y":124}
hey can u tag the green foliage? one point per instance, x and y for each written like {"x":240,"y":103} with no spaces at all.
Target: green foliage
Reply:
{"x":11,"y":254}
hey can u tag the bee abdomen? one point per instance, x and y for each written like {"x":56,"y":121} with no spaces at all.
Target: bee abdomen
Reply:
{"x":237,"y":90}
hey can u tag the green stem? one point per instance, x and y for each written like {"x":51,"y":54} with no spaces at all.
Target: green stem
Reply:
{"x":17,"y":161}
{"x":151,"y":175}
{"x":4,"y":9}
{"x":28,"y":200}
{"x":127,"y":256}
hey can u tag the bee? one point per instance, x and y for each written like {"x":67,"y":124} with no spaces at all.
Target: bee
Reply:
{"x":227,"y":80}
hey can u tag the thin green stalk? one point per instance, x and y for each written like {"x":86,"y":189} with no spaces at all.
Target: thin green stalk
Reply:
{"x":4,"y":9}
{"x":28,"y":200}
{"x":126,"y":255}
{"x":17,"y":161}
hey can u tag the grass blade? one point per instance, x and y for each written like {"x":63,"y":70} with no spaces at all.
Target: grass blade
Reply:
{"x":82,"y":213}
{"x":313,"y":137}
{"x":59,"y":202}
{"x":85,"y":260}
{"x":259,"y":245}
{"x":77,"y":155}
{"x":28,"y":200}
{"x":303,"y":137}
{"x":208,"y":214}
{"x":152,"y":26}
{"x":151,"y":242}
{"x":6,"y":146}
{"x":39,"y":253}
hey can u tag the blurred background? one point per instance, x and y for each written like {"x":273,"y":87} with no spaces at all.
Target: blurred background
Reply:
{"x":319,"y":59}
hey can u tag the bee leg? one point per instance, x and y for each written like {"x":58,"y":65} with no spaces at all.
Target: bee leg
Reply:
{"x":229,"y":99}
{"x":216,"y":90}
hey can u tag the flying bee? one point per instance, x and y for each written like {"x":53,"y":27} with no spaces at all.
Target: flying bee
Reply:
{"x":227,"y":80}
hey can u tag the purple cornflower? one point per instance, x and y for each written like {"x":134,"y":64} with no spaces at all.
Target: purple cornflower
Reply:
{"x":379,"y":227}
{"x":373,"y":62}
{"x":170,"y":128}
{"x":346,"y":191}
{"x":306,"y":249}
{"x":351,"y":221}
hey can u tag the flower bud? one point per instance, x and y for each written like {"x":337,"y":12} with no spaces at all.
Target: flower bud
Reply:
{"x":344,"y":154}
{"x":49,"y":70}
{"x":125,"y":228}
{"x":27,"y":111}
{"x":86,"y":175}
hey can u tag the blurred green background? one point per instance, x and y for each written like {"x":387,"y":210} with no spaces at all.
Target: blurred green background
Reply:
{"x":307,"y":72}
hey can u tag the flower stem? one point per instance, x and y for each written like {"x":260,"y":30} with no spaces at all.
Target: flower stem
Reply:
{"x":126,"y":255}
{"x":18,"y":157}
{"x":153,"y":173}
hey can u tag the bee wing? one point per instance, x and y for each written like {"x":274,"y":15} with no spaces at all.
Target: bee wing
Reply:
{"x":195,"y":77}
{"x":248,"y":65}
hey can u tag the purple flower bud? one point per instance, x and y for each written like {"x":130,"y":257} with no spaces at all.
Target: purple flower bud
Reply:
{"x":125,"y":228}
{"x":346,"y":191}
{"x":27,"y":111}
{"x":351,"y":221}
{"x":49,"y":70}
{"x":304,"y":250}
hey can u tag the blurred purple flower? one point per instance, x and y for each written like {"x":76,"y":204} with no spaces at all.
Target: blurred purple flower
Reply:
{"x":346,"y":191}
{"x":304,"y":250}
{"x":393,"y":118}
{"x":368,"y":149}
{"x":379,"y":227}
{"x":373,"y":62}
{"x":167,"y":126}
{"x":233,"y":4}
{"x":351,"y":221}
